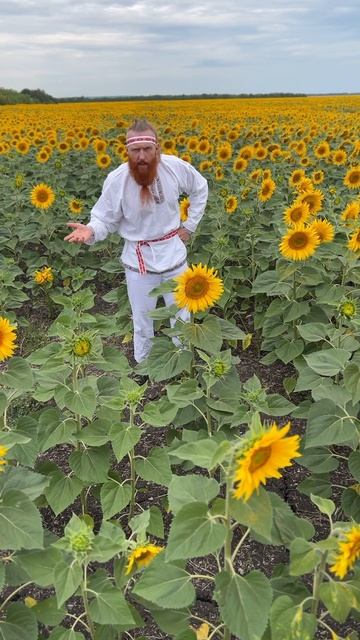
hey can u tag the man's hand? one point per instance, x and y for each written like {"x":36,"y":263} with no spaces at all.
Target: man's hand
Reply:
{"x":81,"y":233}
{"x":184,"y":234}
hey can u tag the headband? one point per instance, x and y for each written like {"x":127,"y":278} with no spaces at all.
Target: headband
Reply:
{"x":136,"y":139}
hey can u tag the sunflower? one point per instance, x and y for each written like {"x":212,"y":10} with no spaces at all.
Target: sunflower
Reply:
{"x":7,"y":339}
{"x":324,"y":229}
{"x":184,"y":209}
{"x":81,"y":346}
{"x":141,"y":557}
{"x":246,"y":152}
{"x":322,"y":150}
{"x":198,"y":288}
{"x":23,"y":147}
{"x":266,"y":190}
{"x":240,"y":164}
{"x":339,"y":156}
{"x":296,"y":214}
{"x":348,"y":552}
{"x":354,"y":242}
{"x":44,"y":275}
{"x":203,"y":146}
{"x":317,"y":176}
{"x":297,"y":176}
{"x":224,"y":152}
{"x":262,"y":459}
{"x":351,"y":211}
{"x":205,"y":165}
{"x":312,"y":198}
{"x":305,"y":185}
{"x":76,"y":206}
{"x":299,"y":243}
{"x":42,"y":156}
{"x":348,"y":308}
{"x":42,"y":196}
{"x":3,"y":452}
{"x":103,"y":160}
{"x":352,"y":177}
{"x":99,"y":145}
{"x":231,"y":204}
{"x":219,"y":174}
{"x":255,"y":175}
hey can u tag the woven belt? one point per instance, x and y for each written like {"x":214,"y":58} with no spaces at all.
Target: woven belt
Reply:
{"x":142,"y":243}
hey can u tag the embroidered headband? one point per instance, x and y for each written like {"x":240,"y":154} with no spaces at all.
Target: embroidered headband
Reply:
{"x":136,"y":139}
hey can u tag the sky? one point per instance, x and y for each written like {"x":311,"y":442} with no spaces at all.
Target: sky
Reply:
{"x":145,"y":47}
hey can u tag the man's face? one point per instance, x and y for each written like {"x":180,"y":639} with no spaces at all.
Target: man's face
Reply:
{"x":143,"y":158}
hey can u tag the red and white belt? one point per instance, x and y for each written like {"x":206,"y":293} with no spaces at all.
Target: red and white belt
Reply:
{"x":142,"y":243}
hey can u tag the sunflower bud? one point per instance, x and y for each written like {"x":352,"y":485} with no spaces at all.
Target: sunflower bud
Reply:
{"x":348,"y":309}
{"x":219,"y":368}
{"x":80,"y":542}
{"x":81,"y":347}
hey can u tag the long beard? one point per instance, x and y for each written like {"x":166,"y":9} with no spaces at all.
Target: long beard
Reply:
{"x":144,"y":174}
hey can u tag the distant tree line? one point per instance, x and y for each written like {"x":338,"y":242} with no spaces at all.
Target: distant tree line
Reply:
{"x":38,"y":96}
{"x":183,"y":96}
{"x":26,"y":96}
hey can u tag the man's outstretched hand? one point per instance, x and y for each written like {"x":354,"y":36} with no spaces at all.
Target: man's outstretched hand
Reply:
{"x":81,"y":233}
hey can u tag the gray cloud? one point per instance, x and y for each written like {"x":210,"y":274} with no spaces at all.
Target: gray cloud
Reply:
{"x":126,"y":47}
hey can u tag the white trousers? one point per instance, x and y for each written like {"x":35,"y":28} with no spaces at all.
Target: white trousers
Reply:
{"x":139,"y":287}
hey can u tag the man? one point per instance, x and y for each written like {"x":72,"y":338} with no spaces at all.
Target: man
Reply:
{"x":140,"y":202}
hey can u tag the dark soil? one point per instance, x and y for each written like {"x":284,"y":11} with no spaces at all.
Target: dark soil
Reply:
{"x":253,"y":555}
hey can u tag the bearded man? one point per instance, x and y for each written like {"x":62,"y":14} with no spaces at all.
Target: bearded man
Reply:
{"x":140,"y":202}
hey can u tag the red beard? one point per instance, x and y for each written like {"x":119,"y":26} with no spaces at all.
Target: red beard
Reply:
{"x":144,"y":174}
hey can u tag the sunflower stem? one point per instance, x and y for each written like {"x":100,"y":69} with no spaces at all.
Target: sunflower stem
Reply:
{"x":132,"y":469}
{"x":318,"y":578}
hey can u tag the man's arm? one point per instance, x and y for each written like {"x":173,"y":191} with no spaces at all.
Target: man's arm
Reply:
{"x":81,"y":233}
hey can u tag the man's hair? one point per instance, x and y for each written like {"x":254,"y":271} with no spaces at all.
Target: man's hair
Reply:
{"x":140,"y":125}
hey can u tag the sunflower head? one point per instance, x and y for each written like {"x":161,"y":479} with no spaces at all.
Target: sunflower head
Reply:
{"x":348,"y":552}
{"x":44,"y":276}
{"x":299,"y":243}
{"x":7,"y":339}
{"x":184,"y":209}
{"x":42,"y":196}
{"x":3,"y":452}
{"x":348,"y":308}
{"x":198,"y":288}
{"x":261,"y":457}
{"x":81,"y":346}
{"x":141,"y":557}
{"x":324,"y":230}
{"x":76,"y":206}
{"x":352,"y":177}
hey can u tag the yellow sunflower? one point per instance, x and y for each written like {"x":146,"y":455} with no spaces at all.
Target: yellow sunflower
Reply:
{"x":266,"y":190}
{"x":198,"y":288}
{"x":184,"y":209}
{"x":348,"y":552}
{"x":42,"y":156}
{"x":313,"y":199}
{"x":322,"y":150}
{"x":42,"y":196}
{"x":263,"y":458}
{"x":3,"y":452}
{"x":7,"y":339}
{"x":305,"y":185}
{"x":296,"y":214}
{"x":354,"y":242}
{"x":317,"y":176}
{"x":324,"y":229}
{"x":297,"y":176}
{"x":339,"y":156}
{"x":352,"y":177}
{"x":231,"y":204}
{"x":299,"y":243}
{"x":44,"y":275}
{"x":76,"y":206}
{"x":103,"y":160}
{"x":141,"y":557}
{"x":81,"y":346}
{"x":351,"y":211}
{"x":240,"y":164}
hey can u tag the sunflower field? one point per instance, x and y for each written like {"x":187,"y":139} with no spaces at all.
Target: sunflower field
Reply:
{"x":219,"y":498}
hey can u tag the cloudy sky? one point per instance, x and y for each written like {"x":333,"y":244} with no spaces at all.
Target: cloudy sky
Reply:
{"x":144,"y":47}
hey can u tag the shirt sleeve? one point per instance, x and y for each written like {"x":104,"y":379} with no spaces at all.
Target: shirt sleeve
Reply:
{"x":196,"y":188}
{"x":105,"y":215}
